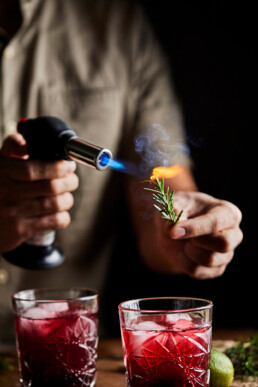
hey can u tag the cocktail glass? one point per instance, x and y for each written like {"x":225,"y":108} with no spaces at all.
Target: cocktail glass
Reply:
{"x":166,"y":341}
{"x":57,"y":336}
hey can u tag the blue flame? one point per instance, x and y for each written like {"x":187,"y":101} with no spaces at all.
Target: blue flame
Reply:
{"x":113,"y":163}
{"x":124,"y":167}
{"x":117,"y":165}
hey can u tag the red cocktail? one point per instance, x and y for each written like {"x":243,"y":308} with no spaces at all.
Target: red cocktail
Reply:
{"x":57,"y":338}
{"x":166,"y":342}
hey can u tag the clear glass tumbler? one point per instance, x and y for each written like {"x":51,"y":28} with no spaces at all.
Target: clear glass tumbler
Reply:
{"x":166,"y":341}
{"x":57,"y":336}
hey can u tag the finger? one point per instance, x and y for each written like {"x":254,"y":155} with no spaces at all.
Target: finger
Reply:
{"x":222,"y":216}
{"x":224,"y":241}
{"x":205,"y":257}
{"x":38,"y":206}
{"x":43,"y":188}
{"x":33,"y":170}
{"x":14,"y":146}
{"x":25,"y":228}
{"x":197,"y":271}
{"x":49,"y":222}
{"x":163,"y":225}
{"x":12,"y":233}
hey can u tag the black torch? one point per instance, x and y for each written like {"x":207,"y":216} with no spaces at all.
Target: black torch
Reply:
{"x":49,"y":138}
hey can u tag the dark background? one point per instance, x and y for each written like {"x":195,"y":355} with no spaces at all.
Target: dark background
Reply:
{"x":211,"y":49}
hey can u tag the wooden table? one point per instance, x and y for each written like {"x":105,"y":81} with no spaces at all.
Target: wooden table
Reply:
{"x":110,"y":363}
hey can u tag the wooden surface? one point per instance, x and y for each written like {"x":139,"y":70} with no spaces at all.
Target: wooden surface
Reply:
{"x":110,"y":365}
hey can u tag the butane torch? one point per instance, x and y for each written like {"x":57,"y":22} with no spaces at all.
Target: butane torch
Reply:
{"x":49,"y":138}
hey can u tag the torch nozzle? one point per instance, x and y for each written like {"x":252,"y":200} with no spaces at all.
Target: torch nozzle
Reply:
{"x":49,"y":138}
{"x":87,"y":153}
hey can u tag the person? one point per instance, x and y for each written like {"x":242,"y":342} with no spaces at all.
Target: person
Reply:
{"x":97,"y":66}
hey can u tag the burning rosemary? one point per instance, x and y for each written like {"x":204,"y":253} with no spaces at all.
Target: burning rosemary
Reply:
{"x":164,"y":199}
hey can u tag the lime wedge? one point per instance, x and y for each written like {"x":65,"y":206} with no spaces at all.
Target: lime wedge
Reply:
{"x":221,"y":369}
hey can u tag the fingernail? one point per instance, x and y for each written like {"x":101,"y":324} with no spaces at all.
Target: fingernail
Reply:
{"x":177,"y":232}
{"x":71,"y":166}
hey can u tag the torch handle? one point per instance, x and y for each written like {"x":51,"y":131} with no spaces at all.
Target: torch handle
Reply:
{"x":45,"y":138}
{"x":49,"y":138}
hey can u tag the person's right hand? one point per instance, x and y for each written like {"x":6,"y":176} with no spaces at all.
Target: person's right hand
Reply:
{"x":35,"y":195}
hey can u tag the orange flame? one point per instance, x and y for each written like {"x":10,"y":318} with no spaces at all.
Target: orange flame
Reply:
{"x":166,"y":172}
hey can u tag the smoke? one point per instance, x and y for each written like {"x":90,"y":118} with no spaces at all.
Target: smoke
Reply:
{"x":155,"y":148}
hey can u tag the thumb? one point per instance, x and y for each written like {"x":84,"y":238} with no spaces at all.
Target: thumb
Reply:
{"x":14,"y":146}
{"x":177,"y":231}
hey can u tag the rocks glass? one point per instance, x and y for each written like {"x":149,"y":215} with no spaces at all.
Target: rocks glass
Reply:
{"x":166,"y":341}
{"x":57,"y":336}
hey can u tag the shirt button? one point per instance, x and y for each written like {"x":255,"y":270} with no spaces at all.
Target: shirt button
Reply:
{"x":10,"y":127}
{"x":9,"y":52}
{"x":4,"y":276}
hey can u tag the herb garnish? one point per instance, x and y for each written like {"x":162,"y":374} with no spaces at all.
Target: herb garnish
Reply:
{"x":164,"y":199}
{"x":244,"y":356}
{"x":5,"y":363}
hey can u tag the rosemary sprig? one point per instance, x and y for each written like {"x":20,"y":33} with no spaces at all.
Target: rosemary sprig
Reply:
{"x":164,"y":199}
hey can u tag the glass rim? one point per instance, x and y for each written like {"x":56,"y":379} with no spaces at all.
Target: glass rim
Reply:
{"x":209,"y":305}
{"x":17,"y":296}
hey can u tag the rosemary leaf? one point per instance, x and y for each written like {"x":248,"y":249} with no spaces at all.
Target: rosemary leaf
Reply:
{"x":164,"y":198}
{"x":158,"y":208}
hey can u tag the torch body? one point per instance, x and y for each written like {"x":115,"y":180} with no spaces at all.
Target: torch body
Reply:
{"x":49,"y":138}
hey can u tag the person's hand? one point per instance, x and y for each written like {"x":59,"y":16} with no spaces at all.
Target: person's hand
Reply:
{"x":202,"y":243}
{"x":35,"y":195}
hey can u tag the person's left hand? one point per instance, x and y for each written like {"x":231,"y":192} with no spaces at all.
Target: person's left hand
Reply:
{"x":202,"y":243}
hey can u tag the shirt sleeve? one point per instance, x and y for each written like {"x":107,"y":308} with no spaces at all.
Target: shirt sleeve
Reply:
{"x":154,"y":126}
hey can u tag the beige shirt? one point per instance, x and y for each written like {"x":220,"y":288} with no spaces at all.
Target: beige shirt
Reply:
{"x":96,"y":65}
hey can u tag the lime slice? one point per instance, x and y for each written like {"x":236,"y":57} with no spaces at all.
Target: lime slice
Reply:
{"x":221,"y":369}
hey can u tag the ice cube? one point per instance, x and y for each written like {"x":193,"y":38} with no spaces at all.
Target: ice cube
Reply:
{"x":140,"y":333}
{"x":55,"y":307}
{"x":174,"y":317}
{"x":183,"y":324}
{"x":34,"y":322}
{"x":149,"y":326}
{"x":38,"y":313}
